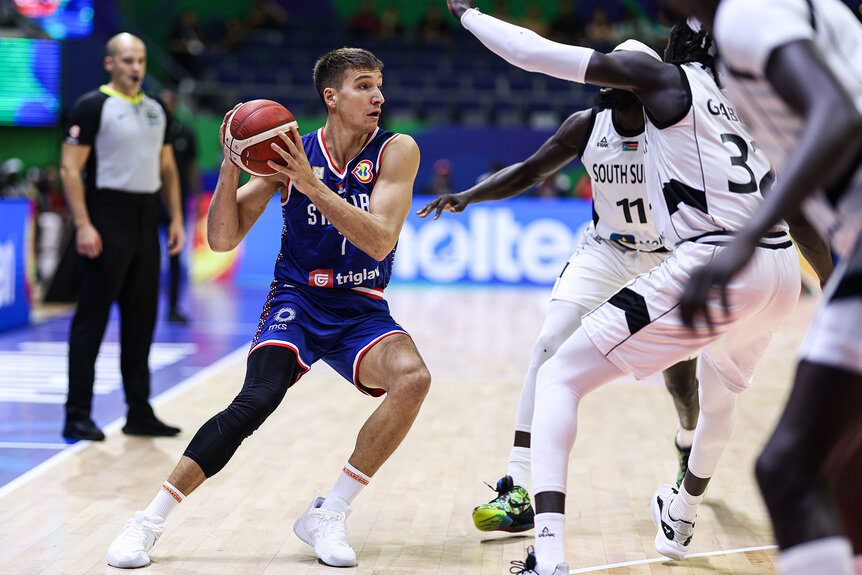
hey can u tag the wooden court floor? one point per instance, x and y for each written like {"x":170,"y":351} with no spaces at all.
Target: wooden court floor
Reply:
{"x":414,"y":518}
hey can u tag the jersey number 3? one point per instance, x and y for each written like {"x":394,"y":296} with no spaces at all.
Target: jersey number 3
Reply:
{"x":741,"y":161}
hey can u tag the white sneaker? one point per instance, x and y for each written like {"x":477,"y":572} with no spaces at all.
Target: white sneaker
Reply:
{"x":326,"y":531}
{"x":131,"y":547}
{"x":674,"y":535}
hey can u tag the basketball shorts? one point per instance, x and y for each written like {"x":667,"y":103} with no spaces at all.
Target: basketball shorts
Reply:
{"x":598,"y":268}
{"x":337,"y":326}
{"x":833,"y":337}
{"x":639,"y":328}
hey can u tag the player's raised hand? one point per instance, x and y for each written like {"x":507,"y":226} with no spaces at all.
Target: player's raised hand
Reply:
{"x":296,"y":167}
{"x":455,"y":203}
{"x":715,"y":275}
{"x":223,"y":129}
{"x":458,"y":7}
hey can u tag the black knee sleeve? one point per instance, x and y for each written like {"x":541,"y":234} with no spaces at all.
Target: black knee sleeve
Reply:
{"x":270,"y":372}
{"x":681,"y":381}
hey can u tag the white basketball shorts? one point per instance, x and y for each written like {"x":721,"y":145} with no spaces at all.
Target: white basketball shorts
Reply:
{"x":833,"y":338}
{"x":640,"y":331}
{"x":598,"y":268}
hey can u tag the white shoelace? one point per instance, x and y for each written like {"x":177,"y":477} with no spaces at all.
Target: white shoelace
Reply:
{"x":141,"y":531}
{"x":333,"y":523}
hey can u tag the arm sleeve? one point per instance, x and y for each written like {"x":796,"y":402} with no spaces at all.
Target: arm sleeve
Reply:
{"x":84,"y":119}
{"x":526,"y":49}
{"x":748,"y":32}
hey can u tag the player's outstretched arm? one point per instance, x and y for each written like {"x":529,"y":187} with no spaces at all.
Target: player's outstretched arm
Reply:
{"x":556,"y":152}
{"x":233,"y":212}
{"x":375,"y":231}
{"x":829,"y":142}
{"x":525,"y":49}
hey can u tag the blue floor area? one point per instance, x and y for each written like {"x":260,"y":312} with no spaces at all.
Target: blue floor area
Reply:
{"x":33,"y":368}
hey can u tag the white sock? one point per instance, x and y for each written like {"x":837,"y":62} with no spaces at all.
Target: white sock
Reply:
{"x":684,"y":505}
{"x":833,"y":555}
{"x":165,"y":500}
{"x":348,"y":485}
{"x":519,"y":466}
{"x":550,"y":541}
{"x":684,"y":437}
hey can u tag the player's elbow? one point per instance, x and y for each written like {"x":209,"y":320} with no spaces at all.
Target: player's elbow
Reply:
{"x":381,"y":253}
{"x":523,"y":56}
{"x":220,"y":243}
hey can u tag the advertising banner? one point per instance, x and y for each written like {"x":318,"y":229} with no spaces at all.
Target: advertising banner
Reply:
{"x":520,"y":241}
{"x":14,"y":237}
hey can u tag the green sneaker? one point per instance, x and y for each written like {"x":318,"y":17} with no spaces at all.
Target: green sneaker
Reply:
{"x":683,"y":453}
{"x":510,"y":511}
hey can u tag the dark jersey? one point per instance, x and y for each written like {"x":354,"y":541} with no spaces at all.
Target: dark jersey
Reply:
{"x":313,"y":252}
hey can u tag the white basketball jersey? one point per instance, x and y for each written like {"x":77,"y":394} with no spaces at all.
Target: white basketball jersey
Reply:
{"x":614,"y":161}
{"x":704,"y":171}
{"x":747,"y":32}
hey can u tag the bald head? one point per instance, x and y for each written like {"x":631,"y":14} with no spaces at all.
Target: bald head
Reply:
{"x":126,"y":62}
{"x":123,"y":40}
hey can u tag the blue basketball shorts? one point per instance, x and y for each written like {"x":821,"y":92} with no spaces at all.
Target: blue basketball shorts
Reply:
{"x":335,"y":325}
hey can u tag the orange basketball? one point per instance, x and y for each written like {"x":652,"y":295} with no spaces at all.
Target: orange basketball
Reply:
{"x":251,"y":129}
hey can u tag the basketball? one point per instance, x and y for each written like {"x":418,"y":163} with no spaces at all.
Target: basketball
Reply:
{"x":251,"y":129}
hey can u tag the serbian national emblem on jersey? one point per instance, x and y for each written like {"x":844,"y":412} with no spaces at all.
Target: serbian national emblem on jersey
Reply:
{"x":313,"y":252}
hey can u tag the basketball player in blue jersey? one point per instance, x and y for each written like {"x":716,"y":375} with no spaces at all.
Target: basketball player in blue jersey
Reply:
{"x":345,"y":193}
{"x":703,"y":179}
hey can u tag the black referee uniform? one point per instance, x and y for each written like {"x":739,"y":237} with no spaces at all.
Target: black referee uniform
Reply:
{"x":121,"y":181}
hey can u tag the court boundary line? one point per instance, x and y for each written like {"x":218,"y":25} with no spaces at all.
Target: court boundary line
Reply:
{"x":662,"y":559}
{"x":115,"y":425}
{"x":34,"y":445}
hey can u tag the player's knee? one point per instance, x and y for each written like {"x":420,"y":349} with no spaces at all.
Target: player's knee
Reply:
{"x":546,"y":346}
{"x":413,"y":384}
{"x":681,"y":381}
{"x":719,"y":407}
{"x":250,"y":409}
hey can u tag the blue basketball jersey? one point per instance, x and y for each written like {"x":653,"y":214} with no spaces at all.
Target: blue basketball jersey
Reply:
{"x":313,"y":252}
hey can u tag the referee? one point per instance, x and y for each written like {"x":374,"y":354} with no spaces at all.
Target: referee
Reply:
{"x":112,"y":194}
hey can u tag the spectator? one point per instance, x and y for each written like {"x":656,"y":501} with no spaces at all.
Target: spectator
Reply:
{"x":51,"y":222}
{"x":365,"y":21}
{"x":534,"y":20}
{"x":566,"y":28}
{"x":600,"y":32}
{"x":558,"y":185}
{"x":268,"y":15}
{"x":391,"y":25}
{"x":441,"y":181}
{"x":10,"y":170}
{"x":187,"y":43}
{"x":185,"y":154}
{"x":432,"y":28}
{"x":234,"y":35}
